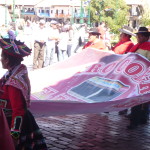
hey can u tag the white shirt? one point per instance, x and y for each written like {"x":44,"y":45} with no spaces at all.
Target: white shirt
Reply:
{"x":52,"y":33}
{"x":63,"y":40}
{"x":40,"y":34}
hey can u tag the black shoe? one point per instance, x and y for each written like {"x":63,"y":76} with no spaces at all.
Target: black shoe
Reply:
{"x":143,"y":122}
{"x":128,"y":116}
{"x":106,"y":112}
{"x":131,"y":127}
{"x":123,"y":112}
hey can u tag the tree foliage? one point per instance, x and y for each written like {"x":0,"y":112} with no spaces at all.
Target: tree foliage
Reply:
{"x":114,"y":12}
{"x":145,"y":19}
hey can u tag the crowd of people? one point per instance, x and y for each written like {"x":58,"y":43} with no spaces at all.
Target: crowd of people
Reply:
{"x":47,"y":39}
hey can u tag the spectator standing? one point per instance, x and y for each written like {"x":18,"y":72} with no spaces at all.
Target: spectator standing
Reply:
{"x":28,"y":34}
{"x":40,"y":37}
{"x":53,"y":36}
{"x":63,"y":42}
{"x":74,"y":38}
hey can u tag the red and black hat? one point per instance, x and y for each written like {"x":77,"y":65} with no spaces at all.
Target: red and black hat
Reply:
{"x":14,"y":48}
{"x":142,"y":30}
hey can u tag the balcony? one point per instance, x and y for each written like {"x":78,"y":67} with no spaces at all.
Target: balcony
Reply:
{"x":43,"y":15}
{"x":27,"y":12}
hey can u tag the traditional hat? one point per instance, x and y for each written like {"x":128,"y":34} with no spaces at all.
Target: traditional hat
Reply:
{"x":94,"y":30}
{"x":127,"y":30}
{"x":143,"y":30}
{"x":14,"y":48}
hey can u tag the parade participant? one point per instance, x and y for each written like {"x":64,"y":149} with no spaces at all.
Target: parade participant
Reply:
{"x":125,"y":43}
{"x":123,"y":46}
{"x":93,"y":40}
{"x":15,"y":97}
{"x":140,"y":113}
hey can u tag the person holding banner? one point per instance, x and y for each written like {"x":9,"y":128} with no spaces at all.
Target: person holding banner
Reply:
{"x":125,"y":43}
{"x":140,"y":113}
{"x":123,"y":46}
{"x":94,"y":40}
{"x":15,"y":97}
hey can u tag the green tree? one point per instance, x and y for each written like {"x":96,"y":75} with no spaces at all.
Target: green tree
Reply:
{"x":145,"y":20}
{"x":114,"y":12}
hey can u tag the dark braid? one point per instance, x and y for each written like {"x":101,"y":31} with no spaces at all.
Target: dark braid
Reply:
{"x":6,"y":77}
{"x":13,"y":61}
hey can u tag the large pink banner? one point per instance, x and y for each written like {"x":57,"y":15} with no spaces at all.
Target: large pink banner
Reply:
{"x":91,"y":81}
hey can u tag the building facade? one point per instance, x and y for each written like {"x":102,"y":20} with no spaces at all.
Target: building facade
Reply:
{"x":71,"y":10}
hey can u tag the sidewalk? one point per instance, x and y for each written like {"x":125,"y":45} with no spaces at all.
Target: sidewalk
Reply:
{"x":93,"y":132}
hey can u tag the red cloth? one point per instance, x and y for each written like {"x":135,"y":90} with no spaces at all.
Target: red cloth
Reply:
{"x":98,"y":45}
{"x":6,"y":142}
{"x":123,"y":47}
{"x":14,"y":100}
{"x":143,"y":46}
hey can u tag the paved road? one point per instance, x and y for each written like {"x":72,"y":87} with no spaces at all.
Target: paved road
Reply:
{"x":93,"y":132}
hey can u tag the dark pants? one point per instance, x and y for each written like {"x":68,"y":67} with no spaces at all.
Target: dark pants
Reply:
{"x":139,"y":114}
{"x":38,"y":59}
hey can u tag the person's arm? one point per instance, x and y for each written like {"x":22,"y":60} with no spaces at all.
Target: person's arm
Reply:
{"x":18,"y":110}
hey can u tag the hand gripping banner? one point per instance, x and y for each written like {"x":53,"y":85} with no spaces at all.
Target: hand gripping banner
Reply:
{"x":92,"y":81}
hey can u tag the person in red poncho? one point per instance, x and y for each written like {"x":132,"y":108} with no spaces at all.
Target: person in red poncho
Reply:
{"x":143,"y":45}
{"x":123,"y":46}
{"x":94,"y":40}
{"x":125,"y":43}
{"x":15,"y":97}
{"x":140,"y":113}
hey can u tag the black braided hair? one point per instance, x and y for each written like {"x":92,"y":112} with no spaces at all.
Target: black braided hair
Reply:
{"x":6,"y":77}
{"x":13,"y":61}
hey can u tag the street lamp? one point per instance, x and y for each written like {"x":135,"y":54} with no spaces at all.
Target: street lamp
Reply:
{"x":116,"y":11}
{"x":101,"y":7}
{"x":13,"y":10}
{"x":72,"y":12}
{"x":89,"y":12}
{"x":81,"y":13}
{"x":5,"y":13}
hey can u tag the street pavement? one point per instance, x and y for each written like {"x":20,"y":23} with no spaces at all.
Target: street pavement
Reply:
{"x":104,"y":131}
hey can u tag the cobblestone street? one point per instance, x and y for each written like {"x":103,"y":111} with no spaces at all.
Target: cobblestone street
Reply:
{"x":105,"y":131}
